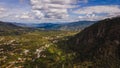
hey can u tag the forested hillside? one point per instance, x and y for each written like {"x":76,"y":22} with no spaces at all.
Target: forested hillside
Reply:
{"x":99,"y":44}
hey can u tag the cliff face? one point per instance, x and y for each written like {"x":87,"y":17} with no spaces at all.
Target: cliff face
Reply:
{"x":101,"y":41}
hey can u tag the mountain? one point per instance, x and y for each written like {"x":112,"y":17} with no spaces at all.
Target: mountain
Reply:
{"x":63,"y":26}
{"x":11,"y":29}
{"x":75,"y":25}
{"x":99,"y":44}
{"x":23,"y":24}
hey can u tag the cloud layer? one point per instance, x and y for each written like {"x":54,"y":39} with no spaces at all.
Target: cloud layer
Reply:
{"x":55,"y":9}
{"x":45,"y":11}
{"x":98,"y":12}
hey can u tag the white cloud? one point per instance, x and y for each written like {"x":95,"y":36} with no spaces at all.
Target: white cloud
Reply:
{"x":2,"y":10}
{"x":99,"y":9}
{"x":58,"y":11}
{"x":24,"y":15}
{"x":42,"y":11}
{"x":55,"y":9}
{"x":98,"y":12}
{"x":15,"y":15}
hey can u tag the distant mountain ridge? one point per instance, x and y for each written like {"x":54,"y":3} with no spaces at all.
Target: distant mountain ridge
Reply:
{"x":76,"y":25}
{"x":64,"y":26}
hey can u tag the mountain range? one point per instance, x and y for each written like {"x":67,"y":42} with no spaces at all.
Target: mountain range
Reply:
{"x":73,"y":26}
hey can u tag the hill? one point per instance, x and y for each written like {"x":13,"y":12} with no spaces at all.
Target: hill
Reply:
{"x":11,"y":29}
{"x":99,"y":44}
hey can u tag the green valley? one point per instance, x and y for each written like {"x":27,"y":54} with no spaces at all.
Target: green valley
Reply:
{"x":33,"y":49}
{"x":96,"y":46}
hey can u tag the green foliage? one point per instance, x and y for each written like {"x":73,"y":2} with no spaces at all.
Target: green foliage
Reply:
{"x":94,"y":47}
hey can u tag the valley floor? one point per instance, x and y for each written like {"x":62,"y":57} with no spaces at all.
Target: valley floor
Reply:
{"x":34,"y":50}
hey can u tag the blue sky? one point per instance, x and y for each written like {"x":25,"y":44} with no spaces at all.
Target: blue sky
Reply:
{"x":57,"y":11}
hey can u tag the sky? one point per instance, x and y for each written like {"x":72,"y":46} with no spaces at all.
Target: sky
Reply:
{"x":57,"y":11}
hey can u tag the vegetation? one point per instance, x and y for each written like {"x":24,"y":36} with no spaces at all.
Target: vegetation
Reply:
{"x":34,"y":49}
{"x":97,"y":46}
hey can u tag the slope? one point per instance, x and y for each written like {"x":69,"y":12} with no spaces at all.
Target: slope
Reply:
{"x":99,"y":43}
{"x":11,"y":29}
